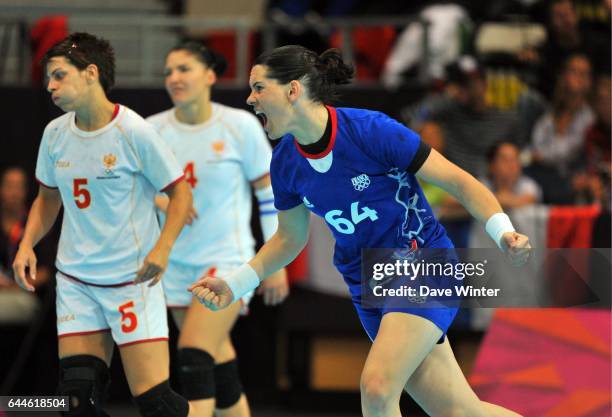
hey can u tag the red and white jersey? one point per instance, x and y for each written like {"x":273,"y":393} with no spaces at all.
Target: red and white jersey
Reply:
{"x":220,"y":158}
{"x":107,"y":179}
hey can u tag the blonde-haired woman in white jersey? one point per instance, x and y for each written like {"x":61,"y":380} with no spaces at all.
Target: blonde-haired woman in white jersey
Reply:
{"x":225,"y":153}
{"x":104,"y":164}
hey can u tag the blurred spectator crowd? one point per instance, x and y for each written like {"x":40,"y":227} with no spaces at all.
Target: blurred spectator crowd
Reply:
{"x":517,"y":91}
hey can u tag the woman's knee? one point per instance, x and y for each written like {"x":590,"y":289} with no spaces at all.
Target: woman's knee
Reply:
{"x":378,"y":391}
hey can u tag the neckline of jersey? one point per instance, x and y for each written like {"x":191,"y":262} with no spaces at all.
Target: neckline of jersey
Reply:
{"x":332,"y":140}
{"x":85,"y":133}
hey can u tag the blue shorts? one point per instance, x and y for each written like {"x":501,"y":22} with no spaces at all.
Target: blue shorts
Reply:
{"x":438,"y":312}
{"x":371,"y":317}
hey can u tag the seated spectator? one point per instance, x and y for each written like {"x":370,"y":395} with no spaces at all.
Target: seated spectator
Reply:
{"x":506,"y":180}
{"x":13,"y":214}
{"x":558,"y":136}
{"x":566,"y":37}
{"x":469,"y":125}
{"x":20,"y":309}
{"x":594,"y":185}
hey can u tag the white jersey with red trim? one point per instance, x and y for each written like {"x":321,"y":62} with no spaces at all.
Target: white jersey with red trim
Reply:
{"x":107,"y":179}
{"x":220,"y":158}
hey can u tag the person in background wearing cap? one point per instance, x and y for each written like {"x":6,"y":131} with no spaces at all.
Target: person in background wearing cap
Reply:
{"x":469,"y":126}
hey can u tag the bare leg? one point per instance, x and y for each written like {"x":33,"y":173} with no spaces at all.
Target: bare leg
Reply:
{"x":146,"y":365}
{"x":403,"y":341}
{"x":439,"y":386}
{"x":405,"y":353}
{"x":99,"y":345}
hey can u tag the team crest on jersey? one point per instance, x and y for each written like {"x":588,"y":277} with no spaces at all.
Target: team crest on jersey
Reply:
{"x":109,"y":161}
{"x":218,"y":146}
{"x":361,"y":182}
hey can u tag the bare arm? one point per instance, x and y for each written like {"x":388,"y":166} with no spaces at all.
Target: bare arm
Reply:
{"x":285,"y":245}
{"x":475,"y":197}
{"x":180,"y":201}
{"x":275,"y":288}
{"x":43,"y":214}
{"x":510,"y":200}
{"x":162,"y":201}
{"x":289,"y":239}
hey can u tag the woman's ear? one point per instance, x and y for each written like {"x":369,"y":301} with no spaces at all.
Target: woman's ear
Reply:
{"x":295,"y":90}
{"x":212,"y":77}
{"x":91,"y":73}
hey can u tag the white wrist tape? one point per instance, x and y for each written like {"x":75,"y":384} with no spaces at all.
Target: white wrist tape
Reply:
{"x":267,"y":212}
{"x":242,"y":281}
{"x":497,"y":225}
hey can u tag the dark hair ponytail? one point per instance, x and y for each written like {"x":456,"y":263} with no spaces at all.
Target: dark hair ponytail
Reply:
{"x":212,"y":59}
{"x":321,"y":74}
{"x":333,"y":68}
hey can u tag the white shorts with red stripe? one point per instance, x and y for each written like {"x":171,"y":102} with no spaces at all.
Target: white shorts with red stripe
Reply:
{"x":178,"y":277}
{"x":133,"y":313}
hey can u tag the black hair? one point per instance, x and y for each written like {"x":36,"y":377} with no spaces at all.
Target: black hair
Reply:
{"x":464,"y":69}
{"x":212,"y":59}
{"x":494,"y":149}
{"x":81,"y":50}
{"x":320,"y":73}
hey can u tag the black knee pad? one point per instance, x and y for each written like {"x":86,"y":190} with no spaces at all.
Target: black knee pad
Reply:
{"x":161,"y":401}
{"x":227,"y":384}
{"x":85,"y":380}
{"x":196,"y":374}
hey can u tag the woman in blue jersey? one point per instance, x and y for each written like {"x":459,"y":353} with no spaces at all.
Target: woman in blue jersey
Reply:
{"x":357,"y":169}
{"x":104,"y":164}
{"x":225,"y":154}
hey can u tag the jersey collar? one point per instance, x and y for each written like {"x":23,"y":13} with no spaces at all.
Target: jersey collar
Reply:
{"x":332,"y":140}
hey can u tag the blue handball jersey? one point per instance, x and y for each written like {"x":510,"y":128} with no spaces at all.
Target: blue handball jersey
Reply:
{"x":360,"y":186}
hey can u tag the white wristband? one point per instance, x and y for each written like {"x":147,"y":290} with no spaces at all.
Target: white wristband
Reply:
{"x":497,"y":225}
{"x":242,"y":281}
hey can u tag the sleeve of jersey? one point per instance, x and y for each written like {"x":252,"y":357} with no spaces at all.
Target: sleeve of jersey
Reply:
{"x":44,"y":164}
{"x":256,"y":150}
{"x":284,"y":199}
{"x":159,"y":164}
{"x":395,"y":145}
